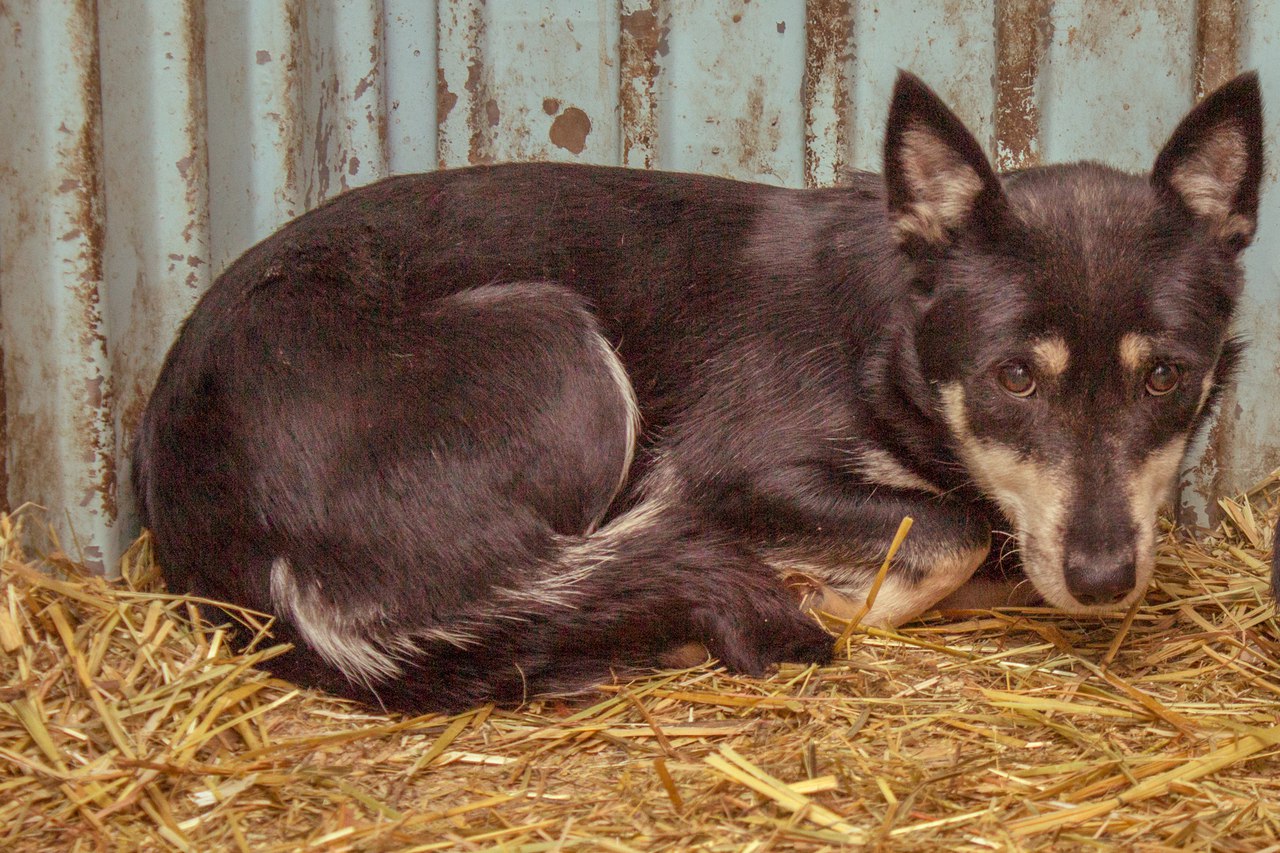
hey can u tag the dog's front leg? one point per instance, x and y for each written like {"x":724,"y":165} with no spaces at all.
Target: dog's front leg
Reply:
{"x":987,"y":592}
{"x":829,"y":543}
{"x":936,"y":561}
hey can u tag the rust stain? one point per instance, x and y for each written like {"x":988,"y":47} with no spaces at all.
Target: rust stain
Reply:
{"x":263,"y":57}
{"x":292,"y":121}
{"x":1104,"y":24}
{"x":481,"y":143}
{"x":750,"y":127}
{"x":1218,"y":24}
{"x":828,"y":46}
{"x":363,"y":85}
{"x":194,"y":168}
{"x":569,"y":130}
{"x":491,"y":112}
{"x":1024,"y":29}
{"x":323,"y":135}
{"x":642,"y":42}
{"x":379,"y":114}
{"x":94,"y":427}
{"x":550,"y":106}
{"x":445,"y":100}
{"x":1209,"y":475}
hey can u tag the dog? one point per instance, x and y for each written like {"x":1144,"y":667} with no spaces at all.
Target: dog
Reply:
{"x":498,"y":432}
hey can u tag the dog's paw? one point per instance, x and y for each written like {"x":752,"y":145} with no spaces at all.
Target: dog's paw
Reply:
{"x":752,"y":643}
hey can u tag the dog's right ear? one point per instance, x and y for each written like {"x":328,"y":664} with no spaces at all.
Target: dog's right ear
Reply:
{"x":1211,"y":166}
{"x":938,"y":180}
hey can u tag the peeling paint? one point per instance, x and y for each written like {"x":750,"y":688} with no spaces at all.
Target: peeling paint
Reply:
{"x":95,"y":431}
{"x":445,"y":100}
{"x":639,"y":47}
{"x":569,"y":130}
{"x":480,"y":148}
{"x":1023,"y":31}
{"x":1217,"y":43}
{"x":825,"y":95}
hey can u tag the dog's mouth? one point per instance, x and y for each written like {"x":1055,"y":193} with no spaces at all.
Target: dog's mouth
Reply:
{"x":1061,"y":554}
{"x":1049,"y":568}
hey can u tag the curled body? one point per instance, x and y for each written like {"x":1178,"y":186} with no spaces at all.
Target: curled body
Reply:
{"x":496,"y":432}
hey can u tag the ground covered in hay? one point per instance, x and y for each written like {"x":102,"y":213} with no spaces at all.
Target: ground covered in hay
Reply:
{"x":122,"y":726}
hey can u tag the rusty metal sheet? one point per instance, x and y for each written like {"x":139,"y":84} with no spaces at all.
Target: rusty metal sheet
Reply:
{"x":254,"y":61}
{"x":148,"y":143}
{"x":1246,"y":441}
{"x":409,"y":52}
{"x":729,"y":90}
{"x":154,"y":166}
{"x":826,"y":91}
{"x":949,"y":43}
{"x":1116,"y":79}
{"x":523,"y":80}
{"x":59,"y":390}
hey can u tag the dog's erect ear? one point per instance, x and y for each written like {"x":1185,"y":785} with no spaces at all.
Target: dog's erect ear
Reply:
{"x":937,"y":177}
{"x":1212,"y":165}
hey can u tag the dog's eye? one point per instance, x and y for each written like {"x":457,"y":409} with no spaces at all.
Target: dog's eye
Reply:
{"x":1015,"y":377}
{"x":1162,"y":379}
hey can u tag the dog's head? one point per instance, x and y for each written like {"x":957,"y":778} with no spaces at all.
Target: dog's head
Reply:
{"x":1074,"y":324}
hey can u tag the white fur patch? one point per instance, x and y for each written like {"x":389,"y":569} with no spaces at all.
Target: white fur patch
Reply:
{"x":331,"y":630}
{"x":1206,"y":388}
{"x":1149,"y":488}
{"x":1208,"y":180}
{"x":619,"y":373}
{"x":841,"y":590}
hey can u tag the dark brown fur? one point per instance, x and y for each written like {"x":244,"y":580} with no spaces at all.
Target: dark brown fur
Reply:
{"x":395,"y":412}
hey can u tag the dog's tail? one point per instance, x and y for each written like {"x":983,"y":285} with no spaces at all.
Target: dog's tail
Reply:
{"x":626,"y":596}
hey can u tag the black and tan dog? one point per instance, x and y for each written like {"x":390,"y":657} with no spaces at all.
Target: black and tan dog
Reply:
{"x":491,"y":433}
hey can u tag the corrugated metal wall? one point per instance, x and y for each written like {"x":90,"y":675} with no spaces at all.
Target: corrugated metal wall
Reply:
{"x":146,"y":143}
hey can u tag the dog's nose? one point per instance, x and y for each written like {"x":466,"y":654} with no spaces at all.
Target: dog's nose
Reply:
{"x":1099,"y":579}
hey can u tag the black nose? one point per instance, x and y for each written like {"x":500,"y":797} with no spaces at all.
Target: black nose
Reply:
{"x":1098,"y":579}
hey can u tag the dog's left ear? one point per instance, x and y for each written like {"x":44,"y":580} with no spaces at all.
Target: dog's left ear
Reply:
{"x":1211,"y":168}
{"x":937,"y":178}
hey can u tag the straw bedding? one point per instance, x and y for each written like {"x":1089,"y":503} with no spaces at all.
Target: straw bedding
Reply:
{"x":125,"y":726}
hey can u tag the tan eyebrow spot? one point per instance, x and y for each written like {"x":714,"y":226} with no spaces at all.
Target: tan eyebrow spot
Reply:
{"x":1051,"y":356}
{"x":1135,"y":350}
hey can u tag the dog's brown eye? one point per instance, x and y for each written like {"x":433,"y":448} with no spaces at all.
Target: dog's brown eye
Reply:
{"x":1016,"y":378}
{"x":1162,"y":379}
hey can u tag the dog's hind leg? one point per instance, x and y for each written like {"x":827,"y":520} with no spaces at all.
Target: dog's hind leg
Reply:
{"x":420,"y":492}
